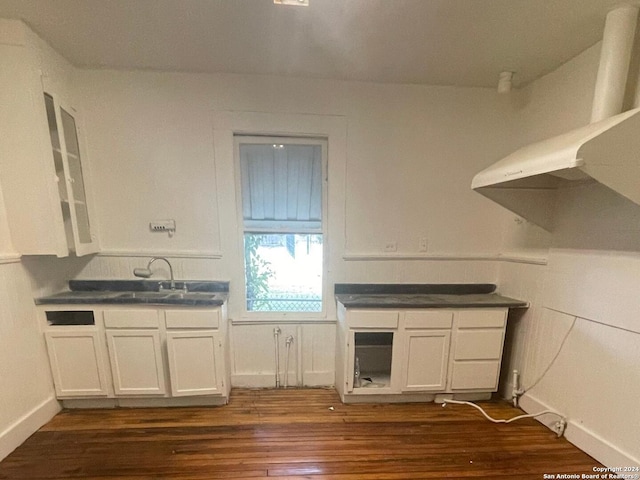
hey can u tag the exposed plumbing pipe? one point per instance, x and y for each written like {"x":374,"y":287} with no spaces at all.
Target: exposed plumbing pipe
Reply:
{"x":516,"y":392}
{"x":288,"y":341}
{"x":617,"y":44}
{"x":276,"y":337}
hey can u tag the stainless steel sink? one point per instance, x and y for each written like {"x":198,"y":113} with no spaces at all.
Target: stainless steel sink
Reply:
{"x":192,"y":295}
{"x":144,"y":295}
{"x":168,"y":296}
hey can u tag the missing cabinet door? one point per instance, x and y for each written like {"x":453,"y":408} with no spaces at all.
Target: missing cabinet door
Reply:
{"x":71,"y":317}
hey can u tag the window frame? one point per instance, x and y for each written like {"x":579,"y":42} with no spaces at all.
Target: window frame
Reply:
{"x":258,"y":139}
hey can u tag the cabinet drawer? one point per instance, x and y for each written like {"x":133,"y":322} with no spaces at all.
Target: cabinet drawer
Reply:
{"x":479,"y":344}
{"x":373,"y":318}
{"x":428,"y":319}
{"x":192,"y":318}
{"x":131,"y":318}
{"x":481,"y":375}
{"x":481,"y":318}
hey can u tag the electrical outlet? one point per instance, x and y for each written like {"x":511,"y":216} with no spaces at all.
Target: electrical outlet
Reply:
{"x":559,"y":427}
{"x":423,"y":244}
{"x":391,"y":247}
{"x":168,"y":226}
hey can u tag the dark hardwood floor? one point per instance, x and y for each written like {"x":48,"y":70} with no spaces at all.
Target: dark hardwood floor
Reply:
{"x":293,"y":434}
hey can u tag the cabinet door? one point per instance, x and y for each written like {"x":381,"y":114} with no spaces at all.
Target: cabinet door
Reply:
{"x":426,"y":356}
{"x":475,"y":375}
{"x":136,"y":362}
{"x":76,"y":362}
{"x":67,"y":158}
{"x":195,"y":363}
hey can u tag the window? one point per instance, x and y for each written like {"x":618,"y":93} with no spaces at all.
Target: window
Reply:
{"x":282,"y":217}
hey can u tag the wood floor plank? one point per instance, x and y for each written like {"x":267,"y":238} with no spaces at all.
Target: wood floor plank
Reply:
{"x":293,"y":434}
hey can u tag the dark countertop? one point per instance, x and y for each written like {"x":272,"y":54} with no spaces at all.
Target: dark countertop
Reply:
{"x":414,"y":288}
{"x":139,"y":292}
{"x":423,"y":296}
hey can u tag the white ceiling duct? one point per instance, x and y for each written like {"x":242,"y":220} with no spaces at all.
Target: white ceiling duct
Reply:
{"x":607,"y":150}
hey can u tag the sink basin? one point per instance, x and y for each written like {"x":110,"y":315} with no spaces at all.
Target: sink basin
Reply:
{"x":192,"y":295}
{"x":143,"y":295}
{"x":168,"y":297}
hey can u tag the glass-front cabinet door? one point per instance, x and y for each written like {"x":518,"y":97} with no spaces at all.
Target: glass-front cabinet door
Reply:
{"x":67,"y":158}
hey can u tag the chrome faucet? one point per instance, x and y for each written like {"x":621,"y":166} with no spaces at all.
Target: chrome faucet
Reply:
{"x":146,"y":272}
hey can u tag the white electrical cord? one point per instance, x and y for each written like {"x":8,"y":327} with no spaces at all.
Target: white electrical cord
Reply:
{"x":494,"y":420}
{"x":559,"y":426}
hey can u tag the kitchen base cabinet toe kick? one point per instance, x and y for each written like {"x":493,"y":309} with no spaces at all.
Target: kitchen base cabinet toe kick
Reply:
{"x":418,"y":355}
{"x":137,"y":356}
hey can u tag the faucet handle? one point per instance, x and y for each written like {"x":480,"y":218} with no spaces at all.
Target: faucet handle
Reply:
{"x":184,"y":287}
{"x":160,"y":287}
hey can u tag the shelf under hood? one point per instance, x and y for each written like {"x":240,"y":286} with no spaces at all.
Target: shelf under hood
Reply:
{"x":527,"y":181}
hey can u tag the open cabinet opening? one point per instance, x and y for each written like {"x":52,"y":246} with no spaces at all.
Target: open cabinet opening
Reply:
{"x":373,"y":354}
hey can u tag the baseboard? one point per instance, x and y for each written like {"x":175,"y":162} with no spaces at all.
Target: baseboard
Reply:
{"x":583,"y":438}
{"x":16,"y":433}
{"x":244,"y":380}
{"x":599,"y":448}
{"x":208,"y":401}
{"x":319,"y":379}
{"x":532,"y":405}
{"x":268,"y":380}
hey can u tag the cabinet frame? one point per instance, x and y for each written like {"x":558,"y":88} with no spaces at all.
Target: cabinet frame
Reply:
{"x":412,"y":323}
{"x":161,"y":324}
{"x":29,"y":181}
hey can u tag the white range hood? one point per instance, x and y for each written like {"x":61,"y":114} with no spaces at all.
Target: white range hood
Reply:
{"x":606,"y":151}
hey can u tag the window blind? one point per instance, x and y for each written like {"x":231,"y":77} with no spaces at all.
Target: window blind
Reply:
{"x":281,"y":187}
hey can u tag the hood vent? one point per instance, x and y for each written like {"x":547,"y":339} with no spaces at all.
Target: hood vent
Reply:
{"x":606,"y":151}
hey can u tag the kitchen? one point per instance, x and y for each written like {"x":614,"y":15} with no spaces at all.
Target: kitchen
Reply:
{"x":401,"y":161}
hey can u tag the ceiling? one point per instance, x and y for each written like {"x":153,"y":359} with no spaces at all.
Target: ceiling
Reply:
{"x":439,"y":42}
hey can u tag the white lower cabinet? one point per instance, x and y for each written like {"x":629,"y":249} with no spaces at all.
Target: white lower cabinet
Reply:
{"x":137,"y":353}
{"x":425,"y":351}
{"x":77,"y":361}
{"x":136,"y":362}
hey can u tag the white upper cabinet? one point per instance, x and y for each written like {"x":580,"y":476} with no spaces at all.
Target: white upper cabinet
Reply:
{"x":42,"y":159}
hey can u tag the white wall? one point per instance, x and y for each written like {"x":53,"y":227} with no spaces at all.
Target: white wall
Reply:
{"x":27,"y":398}
{"x":592,"y":275}
{"x":410,"y":154}
{"x":151,"y":151}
